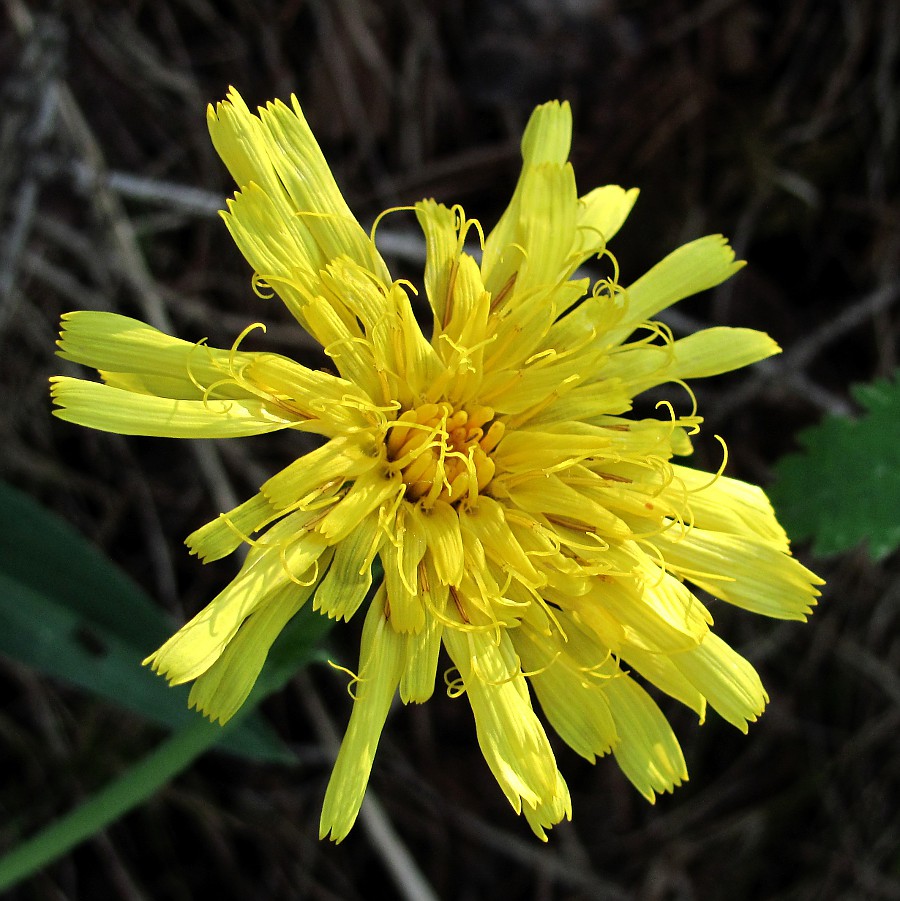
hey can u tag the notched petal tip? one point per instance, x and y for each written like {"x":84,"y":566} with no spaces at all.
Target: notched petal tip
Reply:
{"x":158,"y":666}
{"x":331,"y":832}
{"x":207,"y":708}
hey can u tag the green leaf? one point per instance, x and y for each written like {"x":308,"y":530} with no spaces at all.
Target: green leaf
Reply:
{"x":137,"y":784}
{"x":72,"y":614}
{"x":294,"y":648}
{"x":844,"y":488}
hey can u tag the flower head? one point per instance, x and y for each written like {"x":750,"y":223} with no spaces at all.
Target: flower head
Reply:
{"x":525,"y":523}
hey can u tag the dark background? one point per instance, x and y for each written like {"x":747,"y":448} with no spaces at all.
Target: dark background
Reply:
{"x":775,"y":124}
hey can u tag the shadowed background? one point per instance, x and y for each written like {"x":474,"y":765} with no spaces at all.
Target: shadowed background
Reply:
{"x":778,"y":129}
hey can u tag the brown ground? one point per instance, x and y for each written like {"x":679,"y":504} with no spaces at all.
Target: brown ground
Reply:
{"x":779,"y":129}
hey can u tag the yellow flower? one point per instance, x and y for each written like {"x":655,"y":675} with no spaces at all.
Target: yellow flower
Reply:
{"x":525,"y":523}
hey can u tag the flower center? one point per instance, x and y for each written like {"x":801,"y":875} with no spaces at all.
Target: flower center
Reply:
{"x":443,"y":453}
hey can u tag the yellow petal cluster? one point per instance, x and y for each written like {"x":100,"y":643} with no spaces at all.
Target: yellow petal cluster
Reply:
{"x":526,"y":524}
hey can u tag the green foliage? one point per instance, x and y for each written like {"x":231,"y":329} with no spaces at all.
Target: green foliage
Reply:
{"x":292,"y":650}
{"x":844,"y":487}
{"x":69,"y":612}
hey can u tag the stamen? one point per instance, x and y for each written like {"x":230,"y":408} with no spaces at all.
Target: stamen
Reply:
{"x":542,"y":669}
{"x":282,"y":552}
{"x":237,"y":341}
{"x":456,"y":600}
{"x":442,"y":453}
{"x":456,"y":687}
{"x":719,"y":472}
{"x":380,"y":216}
{"x":568,"y":523}
{"x":463,"y":225}
{"x":503,"y":293}
{"x":354,"y":679}
{"x":260,"y":286}
{"x":190,"y":373}
{"x":451,"y":285}
{"x":614,"y":281}
{"x":493,"y":436}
